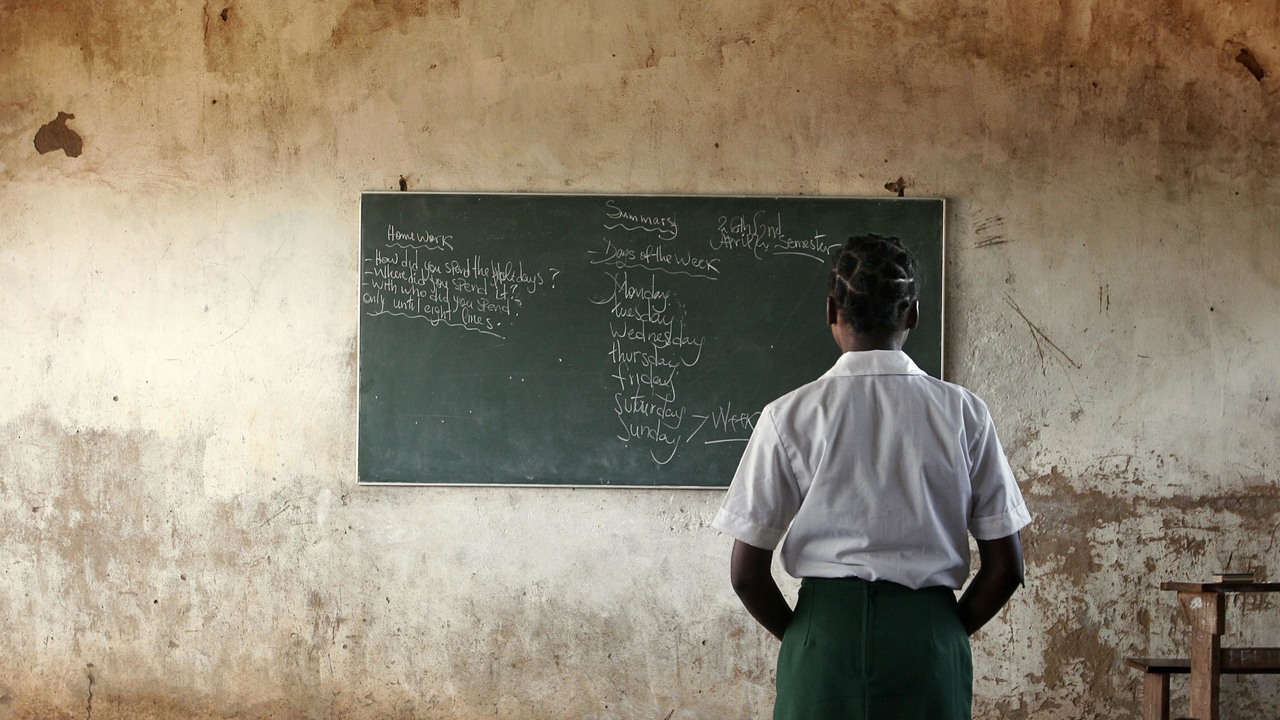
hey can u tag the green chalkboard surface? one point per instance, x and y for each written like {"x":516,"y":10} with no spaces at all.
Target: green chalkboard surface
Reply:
{"x":591,"y":340}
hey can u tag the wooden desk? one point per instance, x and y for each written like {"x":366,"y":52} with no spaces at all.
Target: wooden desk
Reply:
{"x":1205,"y":609}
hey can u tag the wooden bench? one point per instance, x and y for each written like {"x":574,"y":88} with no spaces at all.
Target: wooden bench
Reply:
{"x":1156,"y":673}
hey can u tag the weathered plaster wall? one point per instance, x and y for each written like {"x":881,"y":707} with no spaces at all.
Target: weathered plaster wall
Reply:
{"x":180,"y":536}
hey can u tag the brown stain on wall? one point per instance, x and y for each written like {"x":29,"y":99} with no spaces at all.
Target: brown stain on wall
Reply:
{"x":117,"y":525}
{"x":150,"y":705}
{"x":93,"y":28}
{"x":620,"y":660}
{"x":1146,"y":72}
{"x":363,"y":19}
{"x":113,"y":40}
{"x":1067,"y":565}
{"x":89,"y":516}
{"x":225,"y":42}
{"x":259,"y":89}
{"x":133,"y":574}
{"x":511,"y":662}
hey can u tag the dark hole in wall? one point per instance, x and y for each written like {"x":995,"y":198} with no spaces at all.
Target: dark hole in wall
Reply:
{"x":55,"y":135}
{"x":1250,"y":61}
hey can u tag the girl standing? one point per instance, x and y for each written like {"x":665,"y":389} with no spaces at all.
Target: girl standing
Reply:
{"x":877,"y":474}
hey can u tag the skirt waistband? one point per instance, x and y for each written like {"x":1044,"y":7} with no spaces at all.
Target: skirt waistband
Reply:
{"x":876,"y":585}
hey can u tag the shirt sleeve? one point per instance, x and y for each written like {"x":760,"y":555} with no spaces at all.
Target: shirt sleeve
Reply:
{"x":998,"y":508}
{"x":764,"y":496}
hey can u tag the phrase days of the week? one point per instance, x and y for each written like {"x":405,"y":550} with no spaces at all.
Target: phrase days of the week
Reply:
{"x":656,"y":257}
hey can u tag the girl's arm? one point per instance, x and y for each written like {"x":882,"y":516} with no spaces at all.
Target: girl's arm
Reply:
{"x":751,"y":574}
{"x":999,"y":574}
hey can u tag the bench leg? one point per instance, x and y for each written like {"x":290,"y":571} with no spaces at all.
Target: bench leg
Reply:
{"x":1155,"y":696}
{"x":1207,"y":614}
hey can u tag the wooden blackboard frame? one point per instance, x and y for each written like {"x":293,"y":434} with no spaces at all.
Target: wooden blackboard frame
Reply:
{"x":934,"y":258}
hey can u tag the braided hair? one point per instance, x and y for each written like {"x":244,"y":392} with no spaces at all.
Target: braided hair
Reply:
{"x":874,"y":284}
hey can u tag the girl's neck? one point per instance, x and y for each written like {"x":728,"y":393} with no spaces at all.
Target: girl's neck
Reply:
{"x":851,"y":341}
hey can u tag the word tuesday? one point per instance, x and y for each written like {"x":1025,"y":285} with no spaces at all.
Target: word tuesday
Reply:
{"x":656,"y":301}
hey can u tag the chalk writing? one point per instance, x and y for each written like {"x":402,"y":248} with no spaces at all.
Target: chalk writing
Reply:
{"x":665,"y":227}
{"x":751,"y":235}
{"x":723,"y":425}
{"x":813,"y":247}
{"x":410,"y":278}
{"x":594,"y":339}
{"x":656,"y":258}
{"x":762,"y":234}
{"x":649,"y":346}
{"x":419,"y":240}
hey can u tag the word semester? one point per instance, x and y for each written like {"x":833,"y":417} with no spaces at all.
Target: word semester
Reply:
{"x":761,"y":234}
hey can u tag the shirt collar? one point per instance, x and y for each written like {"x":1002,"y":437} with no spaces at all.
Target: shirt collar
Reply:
{"x":874,"y":362}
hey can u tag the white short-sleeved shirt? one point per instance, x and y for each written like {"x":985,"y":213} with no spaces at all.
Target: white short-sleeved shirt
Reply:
{"x":875,"y":470}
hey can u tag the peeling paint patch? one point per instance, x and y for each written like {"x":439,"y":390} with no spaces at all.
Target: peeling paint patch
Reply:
{"x":1084,"y":540}
{"x":55,"y":135}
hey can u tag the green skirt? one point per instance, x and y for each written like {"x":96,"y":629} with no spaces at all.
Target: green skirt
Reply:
{"x":858,"y":650}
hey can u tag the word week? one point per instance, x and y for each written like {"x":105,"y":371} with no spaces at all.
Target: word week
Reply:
{"x":657,"y":258}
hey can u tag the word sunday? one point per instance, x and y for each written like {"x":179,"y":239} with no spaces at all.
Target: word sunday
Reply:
{"x":653,"y":422}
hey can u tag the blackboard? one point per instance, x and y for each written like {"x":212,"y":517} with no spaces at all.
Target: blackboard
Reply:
{"x":591,"y":340}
